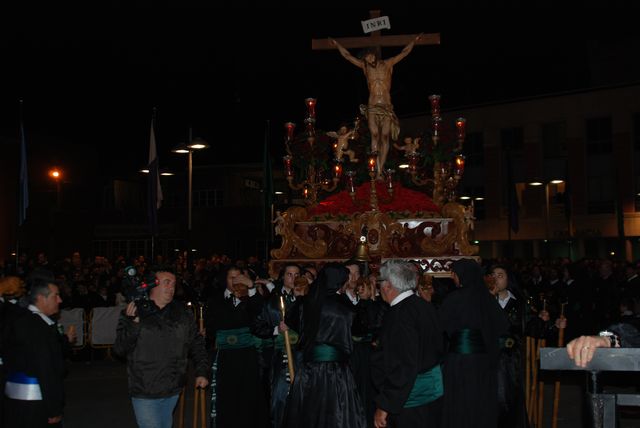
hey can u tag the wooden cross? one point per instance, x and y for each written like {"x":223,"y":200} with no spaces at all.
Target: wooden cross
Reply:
{"x":375,"y":39}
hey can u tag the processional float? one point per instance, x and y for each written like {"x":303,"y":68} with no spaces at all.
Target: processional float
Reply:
{"x":410,"y":211}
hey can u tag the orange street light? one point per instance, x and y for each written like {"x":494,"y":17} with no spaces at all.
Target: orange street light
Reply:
{"x":56,"y":174}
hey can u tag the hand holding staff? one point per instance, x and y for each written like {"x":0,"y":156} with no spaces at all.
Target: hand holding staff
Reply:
{"x":287,"y":342}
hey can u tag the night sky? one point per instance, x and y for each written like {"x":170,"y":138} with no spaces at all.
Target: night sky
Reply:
{"x":89,"y":87}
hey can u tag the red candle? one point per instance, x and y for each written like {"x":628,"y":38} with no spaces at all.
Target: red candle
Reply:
{"x":434,"y":100}
{"x":459,"y":161}
{"x":289,"y":128}
{"x":437,"y":123}
{"x":372,"y":162}
{"x":337,"y":169}
{"x":288,"y":170}
{"x":460,"y":127}
{"x":311,"y":107}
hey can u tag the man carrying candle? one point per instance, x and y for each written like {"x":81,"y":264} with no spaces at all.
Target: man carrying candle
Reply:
{"x":383,"y":122}
{"x":270,"y":325}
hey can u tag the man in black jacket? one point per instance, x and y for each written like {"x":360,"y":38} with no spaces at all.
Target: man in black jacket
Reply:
{"x":33,"y":358}
{"x":157,"y":347}
{"x":406,"y":363}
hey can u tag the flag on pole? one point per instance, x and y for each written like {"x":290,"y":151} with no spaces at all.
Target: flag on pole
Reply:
{"x":23,"y":192}
{"x":267,"y":186}
{"x":154,"y":194}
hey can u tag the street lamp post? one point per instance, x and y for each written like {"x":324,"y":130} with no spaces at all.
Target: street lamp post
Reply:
{"x":57,"y":176}
{"x":189,"y":148}
{"x":547,"y":214}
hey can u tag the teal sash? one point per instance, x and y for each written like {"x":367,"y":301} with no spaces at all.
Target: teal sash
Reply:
{"x":236,"y":338}
{"x":427,"y":388}
{"x":467,"y":341}
{"x":326,"y":353}
{"x":279,"y":341}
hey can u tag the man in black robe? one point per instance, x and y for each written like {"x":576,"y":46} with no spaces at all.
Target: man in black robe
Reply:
{"x":237,"y":395}
{"x":406,"y":364}
{"x":267,"y":326}
{"x":473,"y":322}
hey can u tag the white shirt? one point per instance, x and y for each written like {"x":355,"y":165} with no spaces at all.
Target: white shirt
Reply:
{"x":400,"y":297}
{"x":503,"y":302}
{"x":236,"y":301}
{"x":45,"y":318}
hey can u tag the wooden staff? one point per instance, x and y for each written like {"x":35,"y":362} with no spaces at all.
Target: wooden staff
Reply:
{"x":198,"y":393}
{"x":532,"y":404}
{"x":287,"y":342}
{"x":181,"y":410}
{"x":541,"y":344}
{"x":556,"y":390}
{"x":527,"y":376}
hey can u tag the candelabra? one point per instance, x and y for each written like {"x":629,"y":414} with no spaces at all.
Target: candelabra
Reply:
{"x":448,"y":167}
{"x":314,"y":181}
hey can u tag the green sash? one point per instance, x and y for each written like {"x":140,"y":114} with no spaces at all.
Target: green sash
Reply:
{"x":326,"y":353}
{"x":236,"y":338}
{"x":427,"y":388}
{"x":279,"y":342}
{"x":467,"y":341}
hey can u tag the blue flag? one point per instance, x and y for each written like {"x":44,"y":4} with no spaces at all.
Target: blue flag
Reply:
{"x":23,"y":202}
{"x":154,"y":193}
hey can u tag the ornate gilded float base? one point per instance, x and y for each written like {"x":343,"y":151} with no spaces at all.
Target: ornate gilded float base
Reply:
{"x":389,"y":235}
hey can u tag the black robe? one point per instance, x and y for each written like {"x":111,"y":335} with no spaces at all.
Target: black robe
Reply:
{"x":36,"y":349}
{"x":365,"y":331}
{"x":410,"y":343}
{"x":471,"y":378}
{"x":240,"y":400}
{"x":324,"y":393}
{"x":511,"y":397}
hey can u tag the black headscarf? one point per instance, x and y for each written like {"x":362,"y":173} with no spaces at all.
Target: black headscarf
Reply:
{"x":469,"y":273}
{"x":330,"y":279}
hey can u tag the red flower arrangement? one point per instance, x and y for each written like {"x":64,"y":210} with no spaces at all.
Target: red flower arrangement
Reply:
{"x":404,"y":200}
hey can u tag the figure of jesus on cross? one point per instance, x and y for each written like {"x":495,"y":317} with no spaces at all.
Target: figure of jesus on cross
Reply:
{"x":383,"y":122}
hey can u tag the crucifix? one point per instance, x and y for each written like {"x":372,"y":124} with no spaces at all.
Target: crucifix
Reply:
{"x":376,"y":39}
{"x":382,"y":120}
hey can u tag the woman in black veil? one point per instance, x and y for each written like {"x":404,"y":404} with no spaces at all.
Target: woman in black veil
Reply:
{"x":473,"y":323}
{"x":324,"y":393}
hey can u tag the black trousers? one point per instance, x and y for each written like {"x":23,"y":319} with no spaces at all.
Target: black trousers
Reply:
{"x":26,"y":414}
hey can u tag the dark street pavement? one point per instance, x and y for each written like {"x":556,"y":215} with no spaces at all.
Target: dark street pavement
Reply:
{"x":97,"y":397}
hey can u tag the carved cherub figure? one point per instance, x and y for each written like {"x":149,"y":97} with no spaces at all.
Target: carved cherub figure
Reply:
{"x":411,"y":145}
{"x":469,"y":215}
{"x":279,"y":223}
{"x":341,"y":145}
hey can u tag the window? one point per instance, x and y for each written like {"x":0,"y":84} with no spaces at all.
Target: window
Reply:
{"x":600,"y":195}
{"x":208,"y":198}
{"x":599,"y":139}
{"x":512,"y":139}
{"x":474,"y":149}
{"x":554,"y":139}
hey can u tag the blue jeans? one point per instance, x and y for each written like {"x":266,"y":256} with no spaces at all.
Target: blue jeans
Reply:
{"x":154,"y":412}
